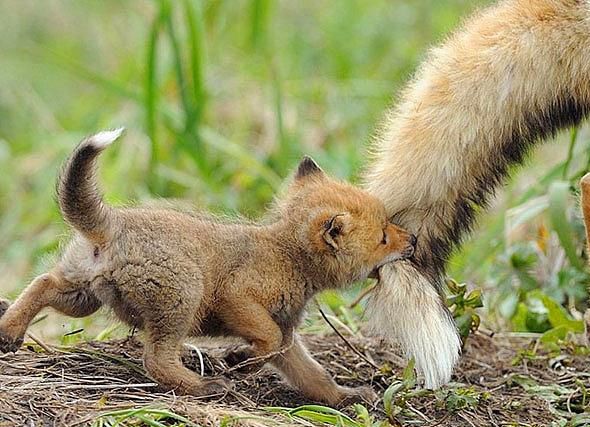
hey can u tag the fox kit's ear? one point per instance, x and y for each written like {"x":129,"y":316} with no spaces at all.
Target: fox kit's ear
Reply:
{"x":333,"y":229}
{"x":308,"y":167}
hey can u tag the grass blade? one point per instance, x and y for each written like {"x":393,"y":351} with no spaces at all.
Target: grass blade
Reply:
{"x":558,"y":195}
{"x":259,"y":22}
{"x":223,"y":145}
{"x":570,"y":151}
{"x":151,"y":92}
{"x":194,"y":22}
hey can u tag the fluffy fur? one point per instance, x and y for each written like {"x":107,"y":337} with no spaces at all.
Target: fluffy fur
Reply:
{"x":175,"y":275}
{"x":513,"y":75}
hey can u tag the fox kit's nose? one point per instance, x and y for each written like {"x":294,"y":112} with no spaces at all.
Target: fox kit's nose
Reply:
{"x":413,"y":240}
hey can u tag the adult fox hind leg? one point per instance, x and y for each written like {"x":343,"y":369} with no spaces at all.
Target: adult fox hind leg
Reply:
{"x":516,"y":73}
{"x":47,"y":290}
{"x":585,"y":202}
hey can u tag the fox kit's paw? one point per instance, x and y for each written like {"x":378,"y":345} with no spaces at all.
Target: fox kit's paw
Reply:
{"x":9,"y":343}
{"x":213,"y":387}
{"x":243,"y":357}
{"x":205,"y":387}
{"x":357,"y":395}
{"x":237,"y":355}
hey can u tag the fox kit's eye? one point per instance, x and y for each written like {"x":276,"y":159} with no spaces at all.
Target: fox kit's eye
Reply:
{"x":384,"y":240}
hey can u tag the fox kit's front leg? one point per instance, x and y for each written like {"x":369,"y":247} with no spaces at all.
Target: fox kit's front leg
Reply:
{"x":303,"y":372}
{"x":248,"y":319}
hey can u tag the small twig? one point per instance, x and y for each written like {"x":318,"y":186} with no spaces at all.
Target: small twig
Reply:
{"x":417,"y":412}
{"x":38,"y":319}
{"x":263,"y":358}
{"x":340,"y":323}
{"x":97,"y":386}
{"x":74,"y":332}
{"x":531,"y":335}
{"x":201,"y":361}
{"x":486,"y":332}
{"x":442,"y":420}
{"x":362,"y":295}
{"x":343,"y":338}
{"x":568,"y":402}
{"x":39,"y":342}
{"x":459,"y":414}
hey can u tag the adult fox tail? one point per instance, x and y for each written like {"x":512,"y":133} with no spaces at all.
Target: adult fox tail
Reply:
{"x":514,"y":74}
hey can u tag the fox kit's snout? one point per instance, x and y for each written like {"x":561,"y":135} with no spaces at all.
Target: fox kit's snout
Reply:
{"x":175,"y":275}
{"x":405,"y":243}
{"x":350,"y":230}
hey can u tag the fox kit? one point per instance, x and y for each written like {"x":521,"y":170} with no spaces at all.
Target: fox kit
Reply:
{"x":513,"y":75}
{"x":175,"y":275}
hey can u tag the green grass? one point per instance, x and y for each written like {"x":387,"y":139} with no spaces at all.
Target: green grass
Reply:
{"x":144,"y":416}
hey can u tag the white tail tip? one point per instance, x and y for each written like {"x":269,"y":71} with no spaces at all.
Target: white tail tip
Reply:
{"x":106,"y":138}
{"x":406,"y":308}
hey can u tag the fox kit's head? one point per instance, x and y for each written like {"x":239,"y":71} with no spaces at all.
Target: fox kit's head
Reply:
{"x":342,"y":226}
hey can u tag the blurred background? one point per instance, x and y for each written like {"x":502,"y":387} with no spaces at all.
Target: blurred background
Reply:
{"x":221,"y":99}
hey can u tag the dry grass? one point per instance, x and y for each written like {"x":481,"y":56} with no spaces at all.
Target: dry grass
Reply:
{"x":73,"y":386}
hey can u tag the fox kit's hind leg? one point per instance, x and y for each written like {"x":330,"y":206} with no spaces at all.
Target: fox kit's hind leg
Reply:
{"x":303,"y":372}
{"x":163,"y":343}
{"x":46,"y":290}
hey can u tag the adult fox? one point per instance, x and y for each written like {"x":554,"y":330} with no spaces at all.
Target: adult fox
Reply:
{"x":513,"y":75}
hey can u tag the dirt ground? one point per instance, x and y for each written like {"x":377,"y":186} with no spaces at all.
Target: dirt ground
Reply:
{"x":500,"y":381}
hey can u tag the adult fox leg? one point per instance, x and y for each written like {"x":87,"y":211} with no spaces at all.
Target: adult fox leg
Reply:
{"x":513,"y":75}
{"x":585,"y":202}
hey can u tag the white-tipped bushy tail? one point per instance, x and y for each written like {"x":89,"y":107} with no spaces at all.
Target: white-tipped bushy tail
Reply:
{"x":105,"y":138}
{"x":407,"y":309}
{"x":79,"y":199}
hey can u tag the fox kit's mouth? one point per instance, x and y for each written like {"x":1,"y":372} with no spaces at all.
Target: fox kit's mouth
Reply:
{"x":407,"y":253}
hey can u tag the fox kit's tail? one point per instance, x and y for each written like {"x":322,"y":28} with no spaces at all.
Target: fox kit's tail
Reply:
{"x":80,"y":201}
{"x":514,"y":74}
